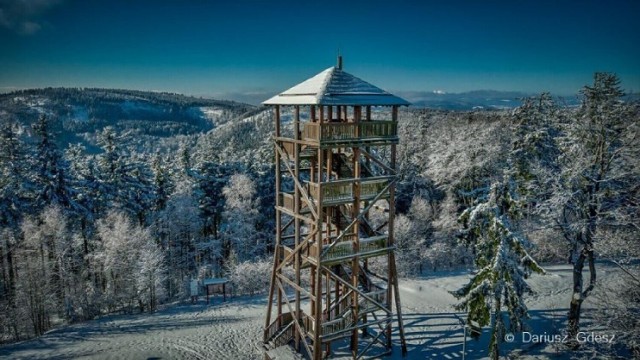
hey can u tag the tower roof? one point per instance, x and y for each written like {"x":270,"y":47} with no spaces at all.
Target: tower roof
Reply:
{"x":334,"y":86}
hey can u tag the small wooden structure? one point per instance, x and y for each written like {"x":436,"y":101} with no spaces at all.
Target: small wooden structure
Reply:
{"x":215,"y":286}
{"x":330,"y":173}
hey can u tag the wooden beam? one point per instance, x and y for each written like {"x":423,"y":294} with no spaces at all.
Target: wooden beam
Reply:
{"x":386,"y":167}
{"x":298,"y":288}
{"x":296,"y":204}
{"x":296,"y":249}
{"x":303,"y":192}
{"x":317,"y":280}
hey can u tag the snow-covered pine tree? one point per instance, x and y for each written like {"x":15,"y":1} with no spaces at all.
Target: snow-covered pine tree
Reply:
{"x":125,"y":180}
{"x":15,"y":187}
{"x":491,"y":224}
{"x":15,"y":193}
{"x":51,"y":175}
{"x":162,"y":185}
{"x":502,"y":260}
{"x":16,"y":198}
{"x":534,"y":150}
{"x":211,"y":178}
{"x":86,"y":189}
{"x":138,"y":195}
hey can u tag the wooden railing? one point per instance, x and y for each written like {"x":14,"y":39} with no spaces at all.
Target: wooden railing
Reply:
{"x":342,"y":191}
{"x":344,"y":249}
{"x":369,"y":189}
{"x":284,"y":336}
{"x":288,"y":202}
{"x":345,"y":321}
{"x":333,"y":192}
{"x":281,"y":321}
{"x":340,"y":132}
{"x":289,"y":147}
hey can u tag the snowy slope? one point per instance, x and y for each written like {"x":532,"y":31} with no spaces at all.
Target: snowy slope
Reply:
{"x":232,"y":330}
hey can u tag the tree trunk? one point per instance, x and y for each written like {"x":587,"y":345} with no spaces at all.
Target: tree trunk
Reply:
{"x":498,"y":336}
{"x":573,"y":324}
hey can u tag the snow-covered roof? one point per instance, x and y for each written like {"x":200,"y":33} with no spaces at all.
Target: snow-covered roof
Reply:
{"x":215,"y":281}
{"x":335,"y":87}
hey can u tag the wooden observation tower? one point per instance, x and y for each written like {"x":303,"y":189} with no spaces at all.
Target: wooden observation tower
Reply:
{"x":334,"y":284}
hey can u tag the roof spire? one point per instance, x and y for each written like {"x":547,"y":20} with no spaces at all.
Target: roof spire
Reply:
{"x":339,"y":61}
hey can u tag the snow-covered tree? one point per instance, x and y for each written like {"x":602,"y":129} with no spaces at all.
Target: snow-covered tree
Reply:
{"x":15,"y":187}
{"x":179,"y":229}
{"x":15,"y":195}
{"x":51,"y":175}
{"x":46,"y":262}
{"x":241,"y":216}
{"x":211,"y":178}
{"x":598,"y":186}
{"x":502,"y":261}
{"x":248,"y":277}
{"x":86,"y":192}
{"x":126,"y":180}
{"x":150,"y":275}
{"x":131,"y":262}
{"x":161,"y":183}
{"x":408,"y":242}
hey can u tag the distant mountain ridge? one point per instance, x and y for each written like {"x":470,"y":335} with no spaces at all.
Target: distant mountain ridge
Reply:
{"x":477,"y":99}
{"x":485,"y":99}
{"x":77,"y":114}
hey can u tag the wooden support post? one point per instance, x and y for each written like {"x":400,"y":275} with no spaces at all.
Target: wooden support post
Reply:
{"x":296,"y":222}
{"x":390,"y":239}
{"x":278,"y":213}
{"x":276,"y":253}
{"x":330,"y":210}
{"x":355,"y":264}
{"x":317,"y":290}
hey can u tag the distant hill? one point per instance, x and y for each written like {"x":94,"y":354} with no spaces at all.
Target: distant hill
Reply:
{"x":472,"y":100}
{"x":77,"y":114}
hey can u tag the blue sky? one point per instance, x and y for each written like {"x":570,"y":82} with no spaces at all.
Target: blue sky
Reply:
{"x":237,"y":48}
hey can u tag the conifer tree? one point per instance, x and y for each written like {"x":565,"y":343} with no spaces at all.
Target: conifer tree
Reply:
{"x":491,"y":227}
{"x":15,"y":187}
{"x":502,"y":260}
{"x":51,"y":178}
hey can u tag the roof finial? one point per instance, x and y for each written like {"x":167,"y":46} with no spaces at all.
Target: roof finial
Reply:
{"x":339,"y":60}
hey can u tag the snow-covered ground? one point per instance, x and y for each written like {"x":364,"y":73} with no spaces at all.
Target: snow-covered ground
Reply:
{"x":232,"y":330}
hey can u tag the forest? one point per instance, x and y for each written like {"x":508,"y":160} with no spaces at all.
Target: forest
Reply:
{"x":113,"y":200}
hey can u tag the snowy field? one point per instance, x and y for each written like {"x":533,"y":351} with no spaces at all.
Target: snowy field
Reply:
{"x":232,"y":330}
